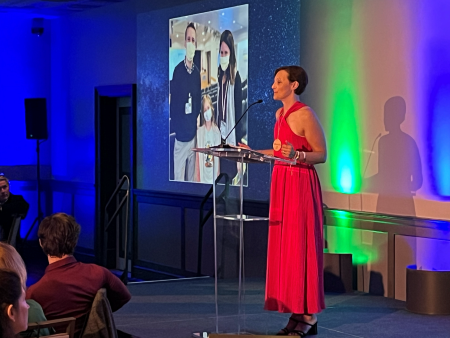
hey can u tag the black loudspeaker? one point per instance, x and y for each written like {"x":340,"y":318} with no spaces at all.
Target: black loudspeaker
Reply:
{"x":36,"y":118}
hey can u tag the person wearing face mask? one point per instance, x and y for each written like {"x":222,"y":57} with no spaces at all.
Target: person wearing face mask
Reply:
{"x":229,"y":105}
{"x":185,"y":97}
{"x":230,"y":90}
{"x":208,"y":135}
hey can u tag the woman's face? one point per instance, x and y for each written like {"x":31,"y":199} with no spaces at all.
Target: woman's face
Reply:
{"x":282,"y":88}
{"x":20,"y":322}
{"x":224,"y":50}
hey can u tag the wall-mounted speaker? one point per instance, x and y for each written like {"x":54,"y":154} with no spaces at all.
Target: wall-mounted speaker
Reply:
{"x":36,"y":118}
{"x":37,"y":26}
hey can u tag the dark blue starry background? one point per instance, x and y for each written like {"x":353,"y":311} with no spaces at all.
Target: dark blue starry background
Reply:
{"x":274,"y":41}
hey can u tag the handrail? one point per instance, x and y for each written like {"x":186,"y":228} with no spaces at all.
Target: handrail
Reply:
{"x":221,"y":198}
{"x":125,"y":200}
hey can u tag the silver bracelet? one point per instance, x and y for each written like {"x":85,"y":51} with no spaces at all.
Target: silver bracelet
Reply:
{"x":290,"y":154}
{"x":304,"y":156}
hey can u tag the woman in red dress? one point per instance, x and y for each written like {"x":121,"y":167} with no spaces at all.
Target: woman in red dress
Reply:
{"x":294,"y":280}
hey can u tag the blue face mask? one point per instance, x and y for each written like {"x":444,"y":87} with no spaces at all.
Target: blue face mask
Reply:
{"x":207,"y":115}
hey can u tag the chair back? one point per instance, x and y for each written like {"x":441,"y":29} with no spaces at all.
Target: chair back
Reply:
{"x":100,"y":322}
{"x":15,"y":228}
{"x":68,"y":323}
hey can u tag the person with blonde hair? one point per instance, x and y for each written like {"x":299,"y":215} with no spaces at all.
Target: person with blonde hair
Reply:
{"x":11,"y":260}
{"x":208,"y":135}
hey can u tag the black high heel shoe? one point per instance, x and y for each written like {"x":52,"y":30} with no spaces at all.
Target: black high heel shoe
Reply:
{"x":311,"y":332}
{"x":285,"y":331}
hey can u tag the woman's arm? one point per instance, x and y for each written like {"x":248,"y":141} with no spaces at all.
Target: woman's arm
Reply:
{"x":305,"y":123}
{"x":266,"y":152}
{"x":262,"y":151}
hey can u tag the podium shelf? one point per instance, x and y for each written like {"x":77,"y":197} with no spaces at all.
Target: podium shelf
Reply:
{"x":245,"y":218}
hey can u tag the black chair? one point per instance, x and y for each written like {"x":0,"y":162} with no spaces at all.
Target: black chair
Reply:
{"x":68,"y":323}
{"x":14,"y":231}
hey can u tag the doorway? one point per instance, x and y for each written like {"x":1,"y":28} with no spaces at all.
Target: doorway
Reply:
{"x":115,"y":126}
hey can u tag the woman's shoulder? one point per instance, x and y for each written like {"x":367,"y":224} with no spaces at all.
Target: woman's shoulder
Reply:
{"x":35,"y":312}
{"x":32,"y":303}
{"x":304,"y":111}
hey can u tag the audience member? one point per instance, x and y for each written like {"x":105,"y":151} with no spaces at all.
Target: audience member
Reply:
{"x":13,"y":307}
{"x":10,"y":206}
{"x":11,"y":260}
{"x":68,"y":287}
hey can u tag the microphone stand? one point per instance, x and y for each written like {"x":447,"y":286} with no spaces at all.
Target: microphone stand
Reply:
{"x":367,"y":164}
{"x":223,"y":140}
{"x":40,"y":215}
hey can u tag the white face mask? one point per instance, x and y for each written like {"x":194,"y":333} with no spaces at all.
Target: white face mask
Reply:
{"x":224,"y":62}
{"x":190,"y":51}
{"x":207,"y":115}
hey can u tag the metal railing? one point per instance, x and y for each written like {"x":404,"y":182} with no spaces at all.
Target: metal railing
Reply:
{"x":108,"y":221}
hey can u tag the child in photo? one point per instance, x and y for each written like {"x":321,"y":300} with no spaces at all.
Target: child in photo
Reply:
{"x":208,"y":134}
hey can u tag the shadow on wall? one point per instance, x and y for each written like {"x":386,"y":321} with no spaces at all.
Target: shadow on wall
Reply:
{"x":399,"y":166}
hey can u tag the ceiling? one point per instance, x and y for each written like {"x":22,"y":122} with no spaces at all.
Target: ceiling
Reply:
{"x":53,"y":7}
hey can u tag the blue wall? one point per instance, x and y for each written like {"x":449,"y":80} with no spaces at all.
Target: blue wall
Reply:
{"x":25,"y":73}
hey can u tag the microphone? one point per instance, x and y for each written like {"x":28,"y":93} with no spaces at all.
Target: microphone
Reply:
{"x":224,"y":140}
{"x":367,"y":164}
{"x":370,"y":155}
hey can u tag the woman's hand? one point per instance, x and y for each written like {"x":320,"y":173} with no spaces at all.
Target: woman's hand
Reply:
{"x":287,"y":150}
{"x":244,"y":146}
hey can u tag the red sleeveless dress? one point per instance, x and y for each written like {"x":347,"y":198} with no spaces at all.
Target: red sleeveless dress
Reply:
{"x":294,"y":279}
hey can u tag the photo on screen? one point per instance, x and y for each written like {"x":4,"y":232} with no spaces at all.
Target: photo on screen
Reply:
{"x":208,"y":91}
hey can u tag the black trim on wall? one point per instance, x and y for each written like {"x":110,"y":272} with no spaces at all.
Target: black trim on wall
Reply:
{"x":392,"y":225}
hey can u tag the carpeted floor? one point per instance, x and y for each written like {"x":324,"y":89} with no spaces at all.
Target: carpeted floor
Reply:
{"x":179,"y":308}
{"x":172,"y":309}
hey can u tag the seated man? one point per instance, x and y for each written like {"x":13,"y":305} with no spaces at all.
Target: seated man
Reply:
{"x":10,"y":206}
{"x":68,"y":287}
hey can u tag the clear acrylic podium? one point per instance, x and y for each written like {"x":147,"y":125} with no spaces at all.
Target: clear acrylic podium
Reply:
{"x":229,"y":219}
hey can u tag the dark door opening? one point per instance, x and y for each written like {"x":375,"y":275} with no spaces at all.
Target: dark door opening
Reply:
{"x":115,"y":143}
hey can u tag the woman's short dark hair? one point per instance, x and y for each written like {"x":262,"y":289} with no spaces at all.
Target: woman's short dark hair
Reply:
{"x":296,"y":73}
{"x":10,"y":292}
{"x":58,"y":234}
